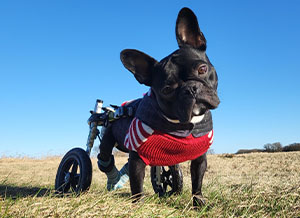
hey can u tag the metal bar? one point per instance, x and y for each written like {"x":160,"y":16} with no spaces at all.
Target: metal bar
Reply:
{"x":93,"y":128}
{"x":158,"y":172}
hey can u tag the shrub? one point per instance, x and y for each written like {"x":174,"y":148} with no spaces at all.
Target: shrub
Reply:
{"x":292,"y":147}
{"x":210,"y":151}
{"x":247,"y":151}
{"x":274,"y":147}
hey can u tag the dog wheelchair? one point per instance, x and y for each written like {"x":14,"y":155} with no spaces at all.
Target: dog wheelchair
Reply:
{"x":74,"y":174}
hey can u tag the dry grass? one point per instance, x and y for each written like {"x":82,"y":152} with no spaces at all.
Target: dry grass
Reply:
{"x":250,"y":185}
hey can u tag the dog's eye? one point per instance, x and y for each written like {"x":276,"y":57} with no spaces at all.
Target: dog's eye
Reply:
{"x":202,"y":69}
{"x":167,"y":90}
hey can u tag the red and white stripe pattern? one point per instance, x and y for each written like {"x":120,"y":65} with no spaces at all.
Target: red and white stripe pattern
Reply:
{"x":137,"y":134}
{"x":211,"y":137}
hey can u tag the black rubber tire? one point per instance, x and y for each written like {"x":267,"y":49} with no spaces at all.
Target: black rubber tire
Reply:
{"x":74,"y":174}
{"x":171,"y":180}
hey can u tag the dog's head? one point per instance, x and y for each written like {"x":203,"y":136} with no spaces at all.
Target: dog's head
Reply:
{"x":185,"y":82}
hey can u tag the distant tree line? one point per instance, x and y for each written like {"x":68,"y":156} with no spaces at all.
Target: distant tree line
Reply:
{"x":272,"y":147}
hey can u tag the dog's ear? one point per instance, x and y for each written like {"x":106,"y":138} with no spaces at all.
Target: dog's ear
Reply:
{"x":188,"y":31}
{"x":140,"y":64}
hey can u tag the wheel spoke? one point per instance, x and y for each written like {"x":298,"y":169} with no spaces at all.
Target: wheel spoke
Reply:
{"x":165,"y":179}
{"x":66,"y":187}
{"x":74,"y":182}
{"x":74,"y":167}
{"x":166,"y":174}
{"x":169,"y":183}
{"x":73,"y":175}
{"x":76,"y":178}
{"x":165,"y":186}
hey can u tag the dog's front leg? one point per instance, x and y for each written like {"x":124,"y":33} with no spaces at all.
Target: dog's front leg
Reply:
{"x":136,"y":175}
{"x":198,"y":167}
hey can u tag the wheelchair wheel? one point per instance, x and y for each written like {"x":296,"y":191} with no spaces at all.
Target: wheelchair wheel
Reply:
{"x":171,"y":180}
{"x":74,"y":174}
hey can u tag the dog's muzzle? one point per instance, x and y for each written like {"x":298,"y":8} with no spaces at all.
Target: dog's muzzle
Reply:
{"x":195,"y":99}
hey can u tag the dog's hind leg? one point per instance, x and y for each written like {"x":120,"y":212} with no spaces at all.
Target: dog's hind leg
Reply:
{"x":136,"y":175}
{"x":106,"y":163}
{"x":198,"y":168}
{"x":105,"y":157}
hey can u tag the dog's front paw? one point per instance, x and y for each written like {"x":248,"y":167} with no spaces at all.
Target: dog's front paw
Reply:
{"x":137,"y":198}
{"x":198,"y":201}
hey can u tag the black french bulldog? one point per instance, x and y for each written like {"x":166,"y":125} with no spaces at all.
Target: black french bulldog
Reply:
{"x":183,"y":91}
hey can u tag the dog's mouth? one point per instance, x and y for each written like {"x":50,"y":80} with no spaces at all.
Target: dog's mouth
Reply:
{"x":192,"y":108}
{"x":199,"y":110}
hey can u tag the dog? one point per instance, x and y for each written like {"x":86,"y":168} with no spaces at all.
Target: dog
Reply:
{"x":172,"y":123}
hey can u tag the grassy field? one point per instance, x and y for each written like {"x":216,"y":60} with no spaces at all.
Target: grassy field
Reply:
{"x":250,"y":185}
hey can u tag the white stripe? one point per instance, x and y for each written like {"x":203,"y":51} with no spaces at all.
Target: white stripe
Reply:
{"x":211,"y":141}
{"x":129,"y":139}
{"x":141,"y":137}
{"x":149,"y":92}
{"x":147,"y":129}
{"x":209,"y":134}
{"x":126,"y":144}
{"x":134,"y":139}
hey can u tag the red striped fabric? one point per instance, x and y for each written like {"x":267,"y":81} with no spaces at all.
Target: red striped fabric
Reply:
{"x":137,"y":134}
{"x":160,"y":149}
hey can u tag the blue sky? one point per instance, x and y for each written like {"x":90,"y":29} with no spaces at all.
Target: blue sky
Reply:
{"x":58,"y":57}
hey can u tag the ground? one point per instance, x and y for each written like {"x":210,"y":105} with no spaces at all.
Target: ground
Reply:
{"x":248,"y":185}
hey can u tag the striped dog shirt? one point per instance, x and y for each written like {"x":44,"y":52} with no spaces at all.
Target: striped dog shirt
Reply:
{"x":160,"y":141}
